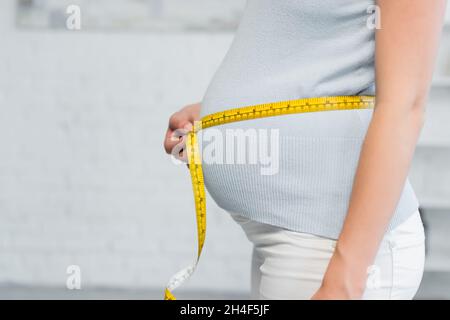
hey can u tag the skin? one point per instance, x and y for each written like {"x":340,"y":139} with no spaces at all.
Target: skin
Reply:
{"x":181,"y":120}
{"x":406,"y":48}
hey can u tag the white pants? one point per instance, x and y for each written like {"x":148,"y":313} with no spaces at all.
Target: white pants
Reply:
{"x":290,"y":265}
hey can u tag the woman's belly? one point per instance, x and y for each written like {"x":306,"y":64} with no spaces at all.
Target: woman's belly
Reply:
{"x":296,"y":162}
{"x":292,"y":171}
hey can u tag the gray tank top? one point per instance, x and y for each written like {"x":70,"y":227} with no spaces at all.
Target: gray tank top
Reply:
{"x":294,"y":49}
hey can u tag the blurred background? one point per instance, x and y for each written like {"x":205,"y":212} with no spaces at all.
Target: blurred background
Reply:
{"x":90,"y":205}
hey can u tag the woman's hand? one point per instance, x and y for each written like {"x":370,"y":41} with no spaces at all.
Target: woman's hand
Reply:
{"x":180,"y":123}
{"x":344,"y":279}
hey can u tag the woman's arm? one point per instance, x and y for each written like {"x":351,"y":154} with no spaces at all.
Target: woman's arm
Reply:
{"x":406,"y":46}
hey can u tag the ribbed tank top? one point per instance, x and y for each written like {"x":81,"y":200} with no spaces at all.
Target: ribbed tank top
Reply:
{"x":294,"y":49}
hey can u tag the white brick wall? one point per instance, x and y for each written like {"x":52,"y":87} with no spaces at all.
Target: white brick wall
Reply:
{"x":83,"y":176}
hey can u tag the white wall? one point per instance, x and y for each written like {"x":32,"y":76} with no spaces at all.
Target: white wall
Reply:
{"x":84,"y":179}
{"x":83,"y":176}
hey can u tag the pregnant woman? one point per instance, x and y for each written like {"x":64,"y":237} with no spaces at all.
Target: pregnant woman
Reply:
{"x":339,"y":218}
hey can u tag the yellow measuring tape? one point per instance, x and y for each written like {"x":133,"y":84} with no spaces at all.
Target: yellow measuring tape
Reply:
{"x":239,"y":114}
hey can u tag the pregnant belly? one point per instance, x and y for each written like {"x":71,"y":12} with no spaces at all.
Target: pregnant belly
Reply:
{"x":300,"y":161}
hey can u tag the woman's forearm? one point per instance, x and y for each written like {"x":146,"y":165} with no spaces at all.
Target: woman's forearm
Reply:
{"x":379,"y":180}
